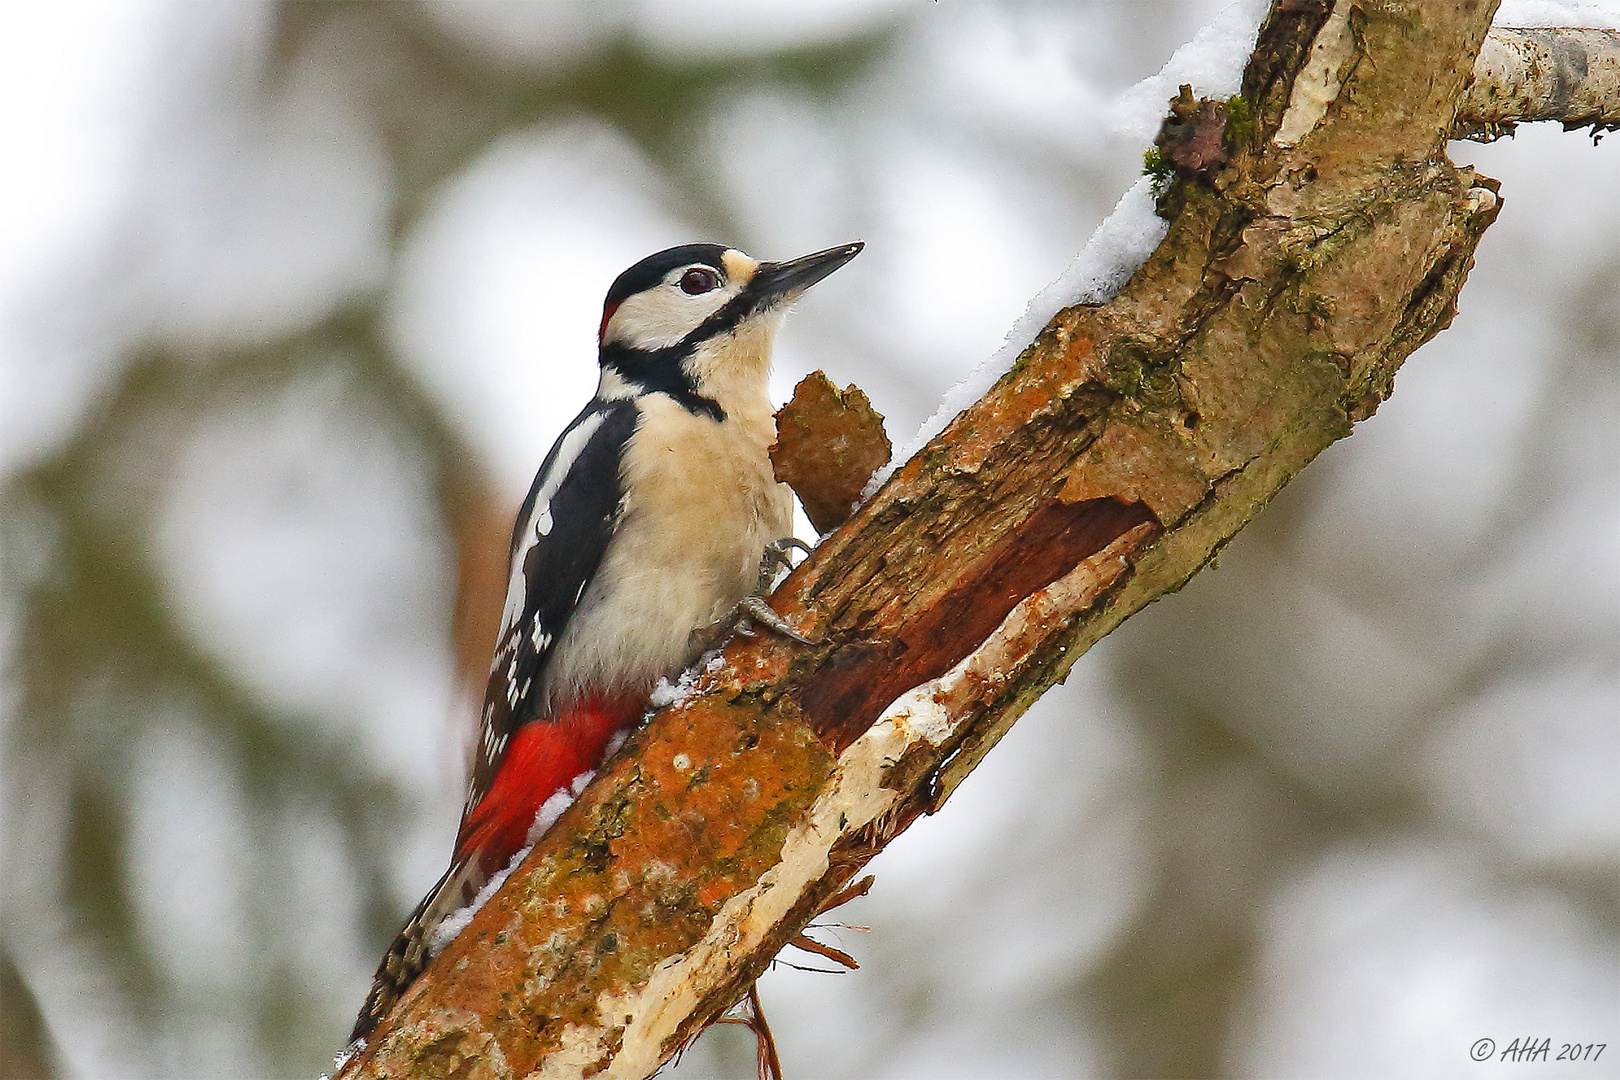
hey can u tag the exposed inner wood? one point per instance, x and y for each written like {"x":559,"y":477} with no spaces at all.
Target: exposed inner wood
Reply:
{"x":858,"y":680}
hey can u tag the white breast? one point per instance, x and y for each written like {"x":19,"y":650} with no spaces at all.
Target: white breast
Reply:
{"x":702,"y":504}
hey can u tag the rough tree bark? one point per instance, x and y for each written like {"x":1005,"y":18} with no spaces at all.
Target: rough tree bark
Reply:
{"x":1318,"y":235}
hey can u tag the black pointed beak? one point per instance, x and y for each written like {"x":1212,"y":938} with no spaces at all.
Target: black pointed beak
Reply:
{"x":782,"y":282}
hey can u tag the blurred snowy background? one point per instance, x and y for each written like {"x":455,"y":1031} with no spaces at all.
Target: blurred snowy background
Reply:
{"x":293,"y":299}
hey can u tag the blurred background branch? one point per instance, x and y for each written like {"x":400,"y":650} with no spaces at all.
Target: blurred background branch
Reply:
{"x":283,"y":291}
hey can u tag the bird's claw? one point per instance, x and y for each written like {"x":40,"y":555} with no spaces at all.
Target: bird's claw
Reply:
{"x":754,"y":608}
{"x":776,"y":556}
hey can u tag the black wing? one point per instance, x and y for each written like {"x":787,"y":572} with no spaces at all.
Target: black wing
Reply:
{"x":558,"y":541}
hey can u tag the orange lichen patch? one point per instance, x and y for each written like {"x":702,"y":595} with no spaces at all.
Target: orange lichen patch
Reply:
{"x":697,"y":796}
{"x":714,"y":893}
{"x":1139,"y":459}
{"x":1044,"y":378}
{"x":1043,"y":381}
{"x":649,"y":855}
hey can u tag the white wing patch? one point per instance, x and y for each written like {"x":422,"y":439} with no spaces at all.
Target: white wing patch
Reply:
{"x":539,"y":524}
{"x":494,"y":743}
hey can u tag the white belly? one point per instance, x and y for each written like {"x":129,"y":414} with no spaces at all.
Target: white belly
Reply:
{"x":704,"y":503}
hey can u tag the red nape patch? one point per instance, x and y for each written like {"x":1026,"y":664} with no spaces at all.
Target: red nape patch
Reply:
{"x":543,"y":759}
{"x":607,"y":313}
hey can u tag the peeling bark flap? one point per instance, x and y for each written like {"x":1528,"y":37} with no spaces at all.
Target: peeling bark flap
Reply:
{"x":829,"y":442}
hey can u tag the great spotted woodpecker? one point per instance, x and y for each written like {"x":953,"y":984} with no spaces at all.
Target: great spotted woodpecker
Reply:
{"x":643,"y":533}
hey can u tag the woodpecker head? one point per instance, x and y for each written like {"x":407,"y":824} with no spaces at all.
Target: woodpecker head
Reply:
{"x":691,"y":319}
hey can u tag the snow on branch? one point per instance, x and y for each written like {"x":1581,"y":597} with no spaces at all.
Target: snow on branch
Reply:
{"x":1522,"y":75}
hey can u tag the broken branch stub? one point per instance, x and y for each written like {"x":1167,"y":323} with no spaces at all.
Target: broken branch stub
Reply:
{"x":1130,"y":441}
{"x":1193,"y":136}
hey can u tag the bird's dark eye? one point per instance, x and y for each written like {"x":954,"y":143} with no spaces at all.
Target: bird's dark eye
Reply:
{"x":699,"y":280}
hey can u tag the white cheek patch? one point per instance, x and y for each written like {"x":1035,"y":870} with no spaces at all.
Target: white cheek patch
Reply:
{"x":663,"y":315}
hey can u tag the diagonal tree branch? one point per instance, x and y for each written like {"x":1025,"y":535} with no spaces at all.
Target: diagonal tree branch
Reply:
{"x":1318,"y":234}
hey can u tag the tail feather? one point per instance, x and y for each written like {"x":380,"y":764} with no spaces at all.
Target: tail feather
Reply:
{"x":409,"y":954}
{"x":541,"y":760}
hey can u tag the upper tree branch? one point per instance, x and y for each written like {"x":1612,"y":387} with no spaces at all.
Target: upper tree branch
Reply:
{"x":1325,"y":241}
{"x":1569,"y":75}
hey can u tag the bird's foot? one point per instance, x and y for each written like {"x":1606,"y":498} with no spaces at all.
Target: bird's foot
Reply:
{"x":753,"y":607}
{"x":774,"y":558}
